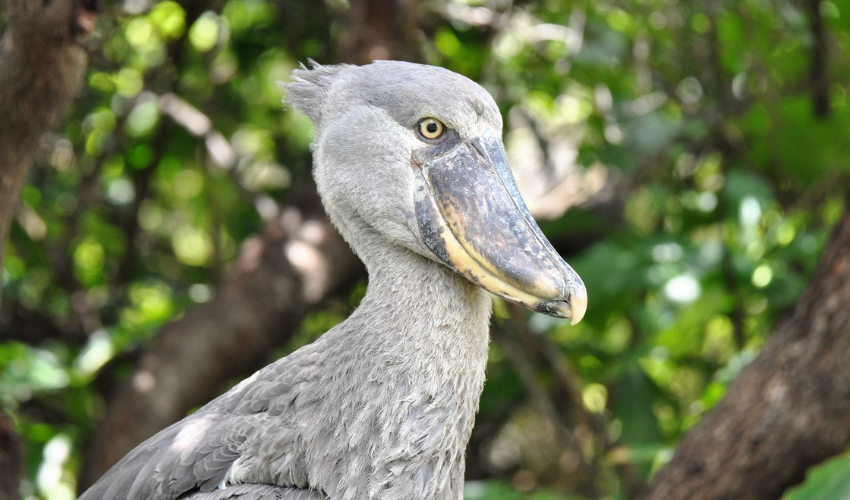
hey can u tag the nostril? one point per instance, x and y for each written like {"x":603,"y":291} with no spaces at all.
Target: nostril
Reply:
{"x":476,"y":144}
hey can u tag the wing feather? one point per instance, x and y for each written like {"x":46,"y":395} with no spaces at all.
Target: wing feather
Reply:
{"x":196,"y":453}
{"x":256,"y":492}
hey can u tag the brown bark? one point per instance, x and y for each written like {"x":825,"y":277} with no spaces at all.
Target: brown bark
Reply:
{"x":381,"y":29}
{"x":297,"y":264}
{"x":11,"y":459}
{"x":818,"y":72}
{"x":788,"y":410}
{"x":40,"y":70}
{"x":35,"y":327}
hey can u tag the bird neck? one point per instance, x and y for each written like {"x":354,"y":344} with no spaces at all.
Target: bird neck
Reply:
{"x":418,"y":346}
{"x":422,"y":310}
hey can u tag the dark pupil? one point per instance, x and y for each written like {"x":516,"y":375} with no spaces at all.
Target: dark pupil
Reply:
{"x":431,"y":127}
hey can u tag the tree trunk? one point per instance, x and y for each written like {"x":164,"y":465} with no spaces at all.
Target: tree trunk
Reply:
{"x":11,"y":459}
{"x":788,"y":410}
{"x":381,"y":29}
{"x":40,"y":70}
{"x":819,"y":69}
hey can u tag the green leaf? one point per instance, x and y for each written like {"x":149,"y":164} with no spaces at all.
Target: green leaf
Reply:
{"x":828,"y":481}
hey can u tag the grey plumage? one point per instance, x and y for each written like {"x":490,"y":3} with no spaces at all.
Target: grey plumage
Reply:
{"x":381,"y":406}
{"x":256,"y":492}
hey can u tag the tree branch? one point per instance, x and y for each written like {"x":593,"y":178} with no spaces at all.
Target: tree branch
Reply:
{"x":381,"y":29}
{"x":11,"y":459}
{"x":789,"y":410}
{"x":42,"y":69}
{"x":820,"y":55}
{"x":34,"y":327}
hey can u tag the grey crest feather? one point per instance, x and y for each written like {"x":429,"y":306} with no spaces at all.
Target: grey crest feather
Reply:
{"x":308,"y":88}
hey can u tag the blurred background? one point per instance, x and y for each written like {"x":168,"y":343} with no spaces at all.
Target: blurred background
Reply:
{"x":689,"y":159}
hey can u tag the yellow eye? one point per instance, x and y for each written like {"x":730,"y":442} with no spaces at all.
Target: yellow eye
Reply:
{"x":431,"y":128}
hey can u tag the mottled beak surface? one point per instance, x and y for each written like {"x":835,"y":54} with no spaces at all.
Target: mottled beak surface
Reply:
{"x":472,"y":217}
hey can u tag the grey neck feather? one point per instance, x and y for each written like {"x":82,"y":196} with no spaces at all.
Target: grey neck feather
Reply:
{"x":383,"y":404}
{"x":419,"y":340}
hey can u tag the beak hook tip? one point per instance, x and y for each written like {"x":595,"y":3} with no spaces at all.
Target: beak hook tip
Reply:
{"x":578,"y":306}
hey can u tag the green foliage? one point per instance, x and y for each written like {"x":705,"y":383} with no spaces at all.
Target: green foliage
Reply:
{"x":495,"y":490}
{"x":828,"y":481}
{"x":139,"y":204}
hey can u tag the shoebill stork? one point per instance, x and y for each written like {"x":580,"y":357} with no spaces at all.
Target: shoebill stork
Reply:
{"x":409,"y":162}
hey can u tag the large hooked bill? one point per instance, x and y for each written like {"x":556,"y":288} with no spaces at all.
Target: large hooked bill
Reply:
{"x":472,"y":217}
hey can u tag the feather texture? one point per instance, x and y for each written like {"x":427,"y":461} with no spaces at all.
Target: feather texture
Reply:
{"x":256,"y":492}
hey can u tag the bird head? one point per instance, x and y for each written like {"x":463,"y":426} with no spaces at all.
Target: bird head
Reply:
{"x":412,"y":156}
